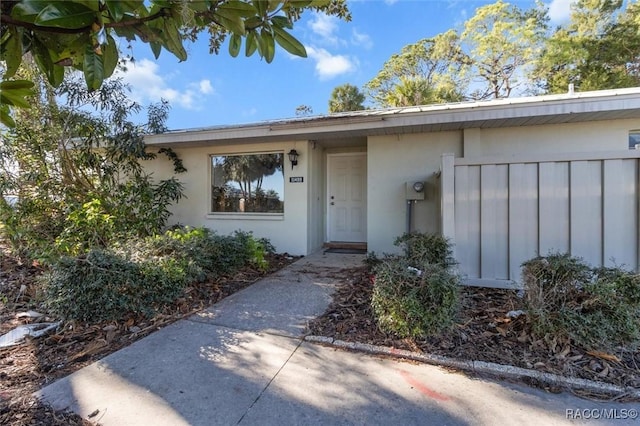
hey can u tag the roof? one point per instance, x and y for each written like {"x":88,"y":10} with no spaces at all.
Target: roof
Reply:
{"x":508,"y":112}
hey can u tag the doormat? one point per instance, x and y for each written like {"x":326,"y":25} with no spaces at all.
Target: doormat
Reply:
{"x":346,"y":251}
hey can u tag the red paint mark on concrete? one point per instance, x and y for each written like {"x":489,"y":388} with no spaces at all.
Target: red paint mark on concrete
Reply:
{"x":423,"y":389}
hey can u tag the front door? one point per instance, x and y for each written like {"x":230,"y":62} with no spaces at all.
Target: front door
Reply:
{"x":347,"y":197}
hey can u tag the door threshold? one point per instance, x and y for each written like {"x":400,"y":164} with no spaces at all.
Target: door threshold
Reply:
{"x":345,"y":245}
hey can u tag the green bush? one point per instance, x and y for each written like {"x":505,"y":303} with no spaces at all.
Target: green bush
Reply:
{"x":421,"y":248}
{"x":141,"y":276}
{"x":412,"y":303}
{"x":104,"y":285}
{"x":595,"y":308}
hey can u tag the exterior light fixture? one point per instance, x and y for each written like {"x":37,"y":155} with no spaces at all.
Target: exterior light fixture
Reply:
{"x":293,"y":157}
{"x":418,"y":186}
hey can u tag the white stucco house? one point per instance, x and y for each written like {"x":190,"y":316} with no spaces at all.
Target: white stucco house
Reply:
{"x":504,"y":179}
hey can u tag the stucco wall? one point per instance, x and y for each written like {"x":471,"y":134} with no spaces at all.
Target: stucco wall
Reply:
{"x":573,"y":137}
{"x":288,"y":233}
{"x":316,"y":199}
{"x":393,"y":161}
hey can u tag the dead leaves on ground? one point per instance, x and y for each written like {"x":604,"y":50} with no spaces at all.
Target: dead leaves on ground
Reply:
{"x":483,"y":332}
{"x":25,"y":368}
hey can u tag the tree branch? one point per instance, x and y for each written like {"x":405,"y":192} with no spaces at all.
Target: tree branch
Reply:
{"x":8,"y":20}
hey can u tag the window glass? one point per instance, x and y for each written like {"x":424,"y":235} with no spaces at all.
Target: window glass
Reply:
{"x":634,"y":139}
{"x":252,"y":183}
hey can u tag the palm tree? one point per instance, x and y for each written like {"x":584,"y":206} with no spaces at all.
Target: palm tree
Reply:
{"x":346,"y":98}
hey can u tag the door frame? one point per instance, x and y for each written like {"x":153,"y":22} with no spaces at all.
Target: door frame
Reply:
{"x":331,"y":156}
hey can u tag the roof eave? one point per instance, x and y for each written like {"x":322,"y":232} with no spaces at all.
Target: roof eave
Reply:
{"x":503,"y":113}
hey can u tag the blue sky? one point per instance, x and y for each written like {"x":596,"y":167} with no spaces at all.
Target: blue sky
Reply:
{"x":210,"y":90}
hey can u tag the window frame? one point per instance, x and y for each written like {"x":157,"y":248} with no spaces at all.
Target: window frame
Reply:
{"x":635,"y":134}
{"x":245,"y":215}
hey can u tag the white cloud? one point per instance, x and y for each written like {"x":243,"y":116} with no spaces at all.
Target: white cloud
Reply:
{"x":560,"y":10}
{"x":360,"y":39}
{"x":390,"y":2}
{"x":205,"y":87}
{"x":325,"y":26}
{"x":328,"y":65}
{"x":147,"y":85}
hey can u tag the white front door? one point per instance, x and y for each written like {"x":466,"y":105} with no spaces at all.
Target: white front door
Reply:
{"x":347,"y":197}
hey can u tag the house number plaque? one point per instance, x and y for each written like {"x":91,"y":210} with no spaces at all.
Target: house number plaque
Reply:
{"x":296,"y":179}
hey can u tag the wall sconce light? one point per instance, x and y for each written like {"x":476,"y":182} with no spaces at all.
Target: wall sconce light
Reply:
{"x":293,"y":157}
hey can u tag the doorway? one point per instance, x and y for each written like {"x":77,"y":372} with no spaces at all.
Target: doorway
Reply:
{"x":347,"y":197}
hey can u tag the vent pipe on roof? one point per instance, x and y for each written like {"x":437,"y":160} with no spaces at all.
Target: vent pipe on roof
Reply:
{"x":571,"y":91}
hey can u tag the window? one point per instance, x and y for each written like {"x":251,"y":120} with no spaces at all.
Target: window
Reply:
{"x":251,"y":183}
{"x":634,"y":139}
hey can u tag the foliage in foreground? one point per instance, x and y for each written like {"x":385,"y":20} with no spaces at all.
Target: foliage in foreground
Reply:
{"x":416,"y":295}
{"x":140,"y":277}
{"x":77,"y":177}
{"x":83,"y":35}
{"x":597,"y":308}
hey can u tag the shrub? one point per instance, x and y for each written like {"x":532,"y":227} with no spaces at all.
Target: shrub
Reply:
{"x":554,"y":281}
{"x":595,"y":308}
{"x":421,"y":248}
{"x":104,"y":285}
{"x":141,"y":276}
{"x":412,"y":303}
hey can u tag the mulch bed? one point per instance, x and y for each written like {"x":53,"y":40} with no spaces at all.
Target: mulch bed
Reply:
{"x":482,"y":332}
{"x":27,"y":367}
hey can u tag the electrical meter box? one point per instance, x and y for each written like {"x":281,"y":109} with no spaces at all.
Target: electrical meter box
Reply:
{"x":415,"y":190}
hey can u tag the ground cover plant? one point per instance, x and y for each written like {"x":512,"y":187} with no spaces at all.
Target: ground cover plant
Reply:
{"x":596,"y":341}
{"x":140,"y":277}
{"x":75,"y":343}
{"x":415,"y":294}
{"x":596,"y":308}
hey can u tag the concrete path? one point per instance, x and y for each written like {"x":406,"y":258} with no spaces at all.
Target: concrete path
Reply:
{"x":243,"y":362}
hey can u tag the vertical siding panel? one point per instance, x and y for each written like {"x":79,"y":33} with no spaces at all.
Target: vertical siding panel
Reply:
{"x":586,"y":211}
{"x":523,"y":216}
{"x":494,"y":215}
{"x":620,"y":212}
{"x":467,"y":217}
{"x":461,"y":201}
{"x":554,"y":207}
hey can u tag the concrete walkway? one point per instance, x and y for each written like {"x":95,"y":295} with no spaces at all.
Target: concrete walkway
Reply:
{"x":243,"y":362}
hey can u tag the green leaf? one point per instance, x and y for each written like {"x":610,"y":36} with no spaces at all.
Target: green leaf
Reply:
{"x":28,"y":10}
{"x":261,"y":6}
{"x":91,"y":4}
{"x":238,"y":8}
{"x":45,"y":61}
{"x":199,"y":6}
{"x":93,"y":69}
{"x":11,"y":51}
{"x":299,"y":3}
{"x":281,"y":22}
{"x":5,"y":117}
{"x":66,"y":15}
{"x":273,"y":4}
{"x":230,"y":21}
{"x":110,"y":56}
{"x":172,"y":40}
{"x":14,"y":92}
{"x":115,"y":9}
{"x":251,"y":44}
{"x":16,"y":85}
{"x":289,"y":43}
{"x":156,"y":48}
{"x":234,"y":45}
{"x":269,"y":46}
